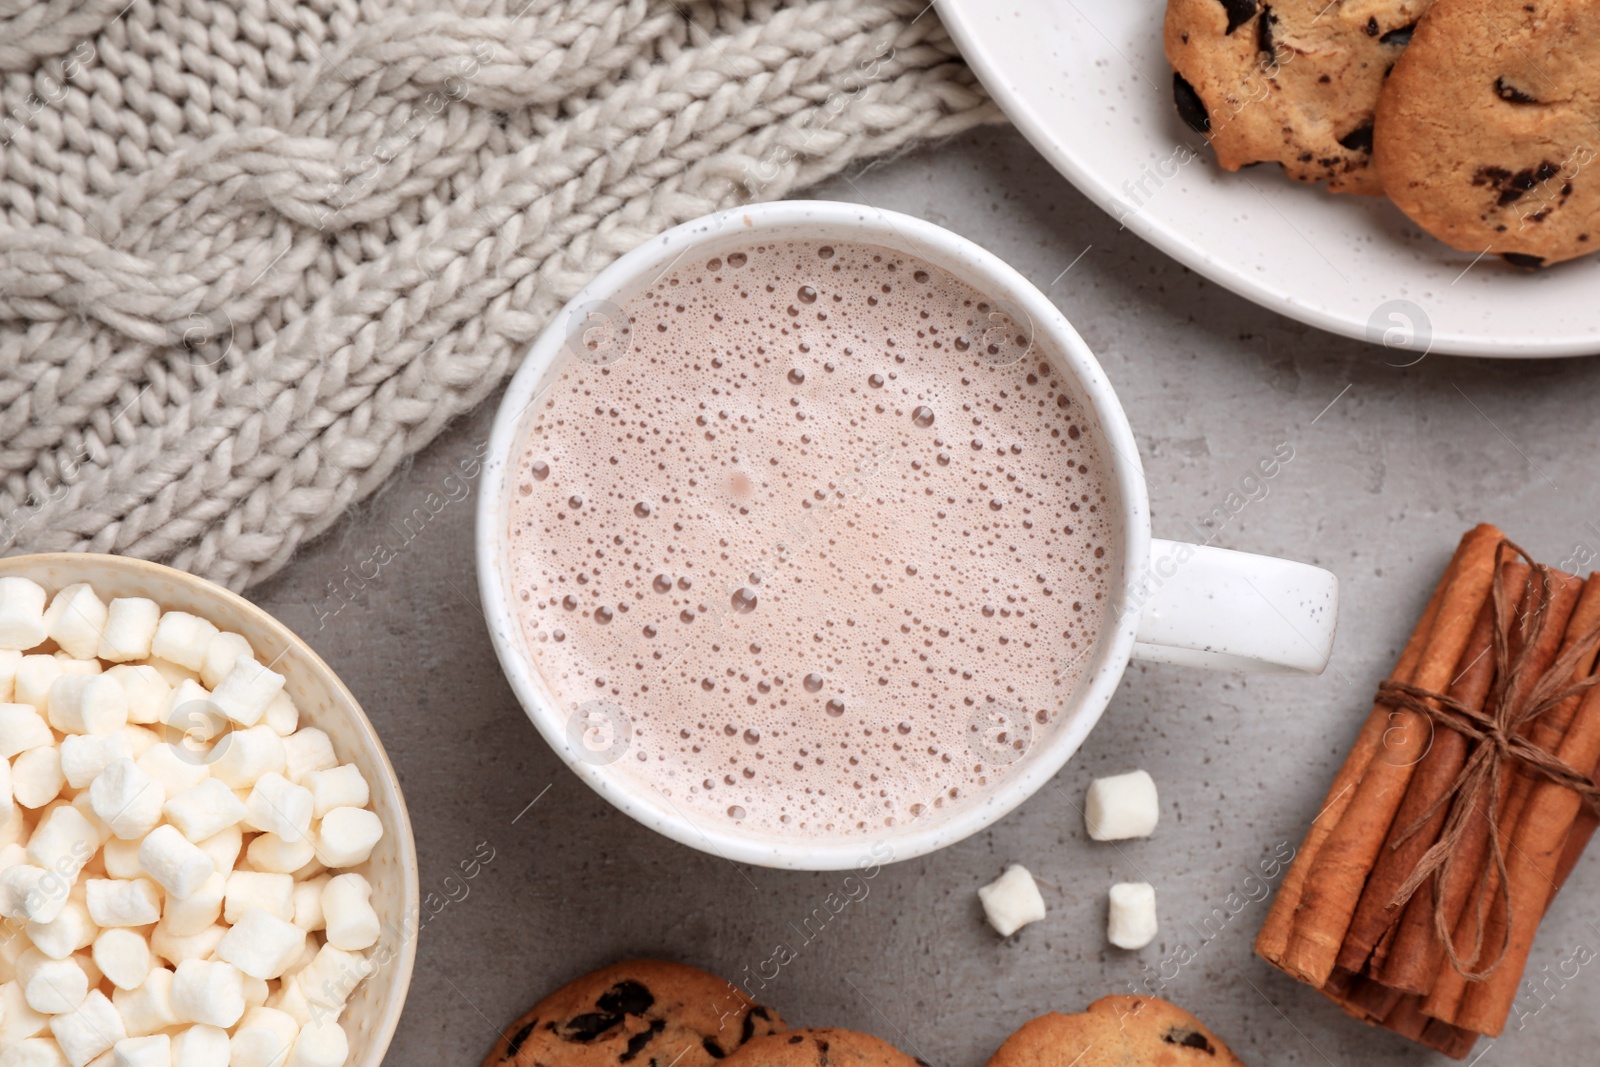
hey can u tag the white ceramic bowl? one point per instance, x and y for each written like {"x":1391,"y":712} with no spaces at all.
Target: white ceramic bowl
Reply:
{"x":324,"y":702}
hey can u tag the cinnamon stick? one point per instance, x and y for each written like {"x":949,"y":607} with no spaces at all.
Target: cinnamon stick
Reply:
{"x":1531,"y":867}
{"x":1274,"y":936}
{"x":1334,"y":882}
{"x":1375,"y":914}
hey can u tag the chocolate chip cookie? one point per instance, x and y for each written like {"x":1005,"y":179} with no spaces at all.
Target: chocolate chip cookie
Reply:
{"x":1295,"y":81}
{"x":1488,"y":135}
{"x":648,"y":1013}
{"x":1115,"y":1032}
{"x":824,"y":1047}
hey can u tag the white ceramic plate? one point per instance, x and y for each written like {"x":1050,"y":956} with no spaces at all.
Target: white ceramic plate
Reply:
{"x":1086,"y":82}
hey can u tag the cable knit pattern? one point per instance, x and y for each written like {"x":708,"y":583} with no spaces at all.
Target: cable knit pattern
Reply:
{"x":255,"y":253}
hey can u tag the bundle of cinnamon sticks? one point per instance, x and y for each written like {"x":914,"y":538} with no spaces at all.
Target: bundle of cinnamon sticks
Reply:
{"x":1414,"y":899}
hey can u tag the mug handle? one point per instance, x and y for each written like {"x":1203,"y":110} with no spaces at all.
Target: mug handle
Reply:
{"x":1235,"y":611}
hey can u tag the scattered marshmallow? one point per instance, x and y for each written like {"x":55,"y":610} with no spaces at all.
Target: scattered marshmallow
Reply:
{"x":1012,"y":901}
{"x":27,"y":893}
{"x":55,"y":987}
{"x":308,"y":914}
{"x":67,"y":932}
{"x":63,"y":842}
{"x":123,"y":956}
{"x":36,"y":777}
{"x":221,"y":653}
{"x":307,"y":752}
{"x":32,"y":1052}
{"x":18,"y":1021}
{"x":281,"y":715}
{"x":147,"y":1009}
{"x":321,"y":1043}
{"x":75,"y":619}
{"x":347,"y":836}
{"x":261,"y":945}
{"x":267,"y":891}
{"x":140,"y":739}
{"x":330,"y":978}
{"x":72,"y":665}
{"x":264,"y":1039}
{"x":206,"y":809}
{"x":1122,"y":806}
{"x":199,"y":910}
{"x":209,"y":992}
{"x":351,"y":921}
{"x":171,"y":673}
{"x":288,"y":999}
{"x":129,"y":628}
{"x":121,"y":857}
{"x":243,"y":756}
{"x":223,"y":847}
{"x":7,"y":797}
{"x":10,"y":660}
{"x":200,"y":1046}
{"x":269,"y":852}
{"x":35,"y":674}
{"x":22,"y":728}
{"x":176,"y":948}
{"x":90,"y":1030}
{"x":182,"y":638}
{"x":146,"y":690}
{"x":152,"y":1051}
{"x":123,"y":902}
{"x":1131,"y":921}
{"x":84,"y":756}
{"x":21,"y":614}
{"x":246,"y":691}
{"x":175,"y":768}
{"x":338,"y":787}
{"x":175,"y":862}
{"x":278,"y":806}
{"x":87,"y":704}
{"x":125,"y":798}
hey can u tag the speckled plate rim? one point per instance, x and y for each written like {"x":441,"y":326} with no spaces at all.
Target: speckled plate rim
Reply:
{"x":371,"y":1055}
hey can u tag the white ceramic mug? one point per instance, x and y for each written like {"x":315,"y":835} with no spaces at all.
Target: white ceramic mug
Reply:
{"x":1173,"y":602}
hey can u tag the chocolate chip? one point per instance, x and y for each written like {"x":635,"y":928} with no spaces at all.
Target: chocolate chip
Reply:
{"x":822,"y":1052}
{"x":638,"y":1041}
{"x":1399,"y":37}
{"x":796,"y":1039}
{"x":1372,"y":27}
{"x":1239,"y":12}
{"x":1358,"y":139}
{"x":1190,"y":107}
{"x":589,"y":1026}
{"x":1511,"y":94}
{"x":626,"y":997}
{"x":515,"y":1044}
{"x":749,"y":1031}
{"x":1264,"y":30}
{"x":1189,"y":1039}
{"x":712,"y":1049}
{"x":1522,"y":259}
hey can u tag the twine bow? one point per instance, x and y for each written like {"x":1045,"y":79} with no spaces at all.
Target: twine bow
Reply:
{"x":1511,"y":707}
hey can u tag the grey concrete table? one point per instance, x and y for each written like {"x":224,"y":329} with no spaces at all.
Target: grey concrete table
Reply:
{"x":1390,"y":466}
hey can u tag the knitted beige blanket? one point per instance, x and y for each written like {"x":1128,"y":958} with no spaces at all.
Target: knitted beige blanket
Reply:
{"x":254,"y":253}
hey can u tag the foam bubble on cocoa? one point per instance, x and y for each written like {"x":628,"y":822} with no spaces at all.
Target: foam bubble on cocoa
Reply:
{"x":827,"y":528}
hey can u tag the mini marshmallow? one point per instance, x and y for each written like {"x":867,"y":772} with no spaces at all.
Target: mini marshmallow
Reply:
{"x":10,"y":660}
{"x":121,"y":858}
{"x":63,"y":842}
{"x":22,"y":728}
{"x":122,"y":956}
{"x":261,"y":945}
{"x":83,"y":756}
{"x":123,"y":902}
{"x":171,"y":673}
{"x":292,"y":1002}
{"x":332,"y":976}
{"x":67,"y":932}
{"x":1131,"y":921}
{"x":129,"y":628}
{"x":278,"y":806}
{"x":200,"y":1046}
{"x":175,"y":862}
{"x":147,"y":1009}
{"x":352,"y":923}
{"x":15,"y":829}
{"x":29,"y":893}
{"x":183,"y":639}
{"x":209,"y":992}
{"x":75,"y":619}
{"x":321,"y":1043}
{"x":56,"y":987}
{"x":206,"y":809}
{"x":246,"y":690}
{"x":175,"y":949}
{"x":21,"y":614}
{"x":223,"y":847}
{"x":347,"y":836}
{"x":140,"y":739}
{"x":256,"y":992}
{"x":1122,"y":806}
{"x":36,"y":777}
{"x":270,"y":892}
{"x":176,"y":769}
{"x":221,"y":653}
{"x":281,"y":714}
{"x":269,"y":852}
{"x":71,"y":665}
{"x":152,"y":1051}
{"x":199,"y":910}
{"x":146,"y":690}
{"x":82,"y":805}
{"x":32,"y":1052}
{"x":243,"y":756}
{"x":308,"y":914}
{"x":35,"y":675}
{"x":87,"y":704}
{"x":7,"y":797}
{"x":190,"y":712}
{"x":90,"y":1030}
{"x":264,"y":1038}
{"x":125,"y":798}
{"x":307,"y":752}
{"x":1012,"y":901}
{"x":17,"y":1020}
